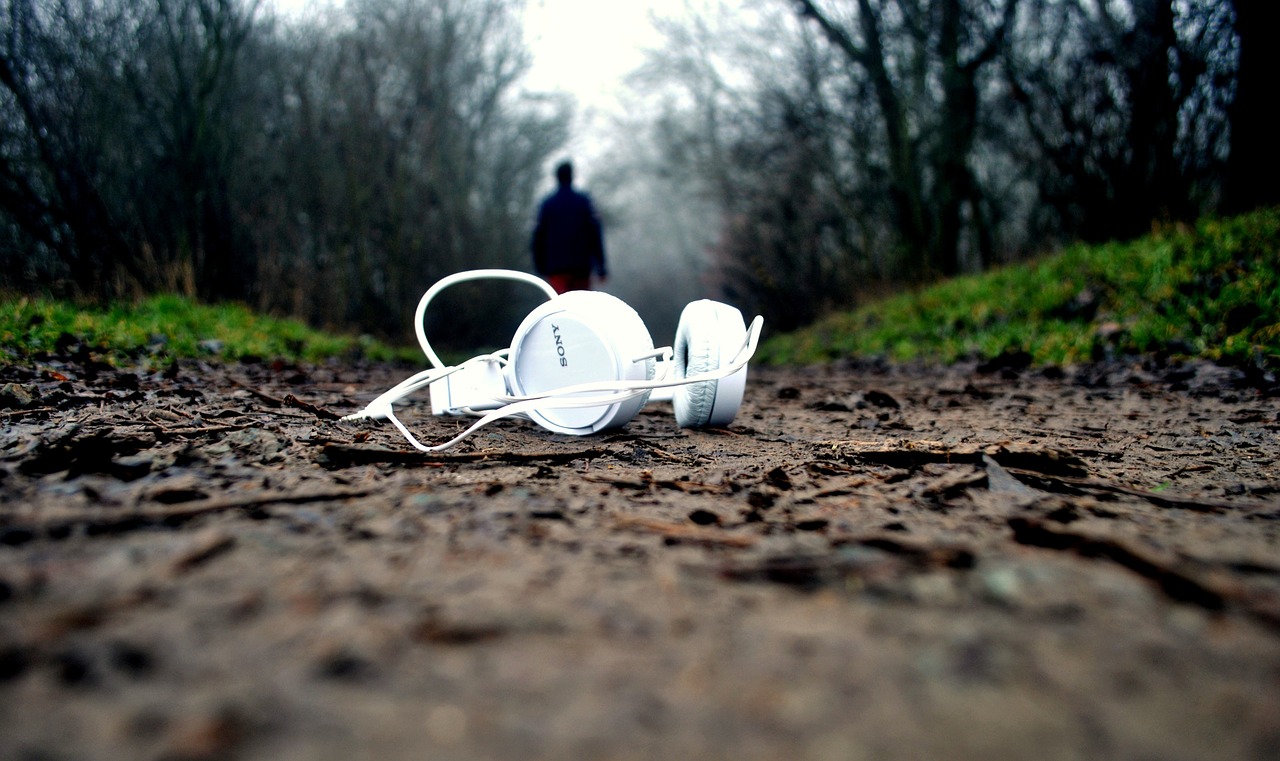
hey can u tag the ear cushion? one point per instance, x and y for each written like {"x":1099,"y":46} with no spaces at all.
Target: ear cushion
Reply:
{"x":709,"y":334}
{"x":580,"y":337}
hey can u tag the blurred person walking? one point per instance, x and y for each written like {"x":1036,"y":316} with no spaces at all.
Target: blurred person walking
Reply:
{"x":568,"y":243}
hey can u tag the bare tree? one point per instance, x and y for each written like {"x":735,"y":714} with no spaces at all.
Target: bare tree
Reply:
{"x":925,"y":62}
{"x":186,"y":83}
{"x":415,"y":157}
{"x":122,"y":143}
{"x":739,"y":158}
{"x":901,"y":140}
{"x":330,"y":170}
{"x":1126,"y":104}
{"x":53,"y":159}
{"x":666,"y":175}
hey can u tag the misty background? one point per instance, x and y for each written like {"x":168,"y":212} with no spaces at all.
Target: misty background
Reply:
{"x":789,"y":157}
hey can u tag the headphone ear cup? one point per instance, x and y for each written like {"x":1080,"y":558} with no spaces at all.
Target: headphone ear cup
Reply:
{"x":707,"y":337}
{"x":580,"y":337}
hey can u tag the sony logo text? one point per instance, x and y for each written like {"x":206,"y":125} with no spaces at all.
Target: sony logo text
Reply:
{"x":555,"y":331}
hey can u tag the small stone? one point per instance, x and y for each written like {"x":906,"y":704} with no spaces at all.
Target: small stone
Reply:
{"x":18,"y":397}
{"x":881,"y":399}
{"x":1001,"y":585}
{"x":74,"y":669}
{"x":132,"y":660}
{"x":254,"y":443}
{"x":131,"y":467}
{"x":343,"y":665}
{"x":704,"y":517}
{"x":199,"y":549}
{"x":14,"y":662}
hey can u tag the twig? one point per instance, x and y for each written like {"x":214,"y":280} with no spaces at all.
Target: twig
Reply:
{"x":271,"y":400}
{"x":664,"y":454}
{"x":24,"y":413}
{"x":98,"y":524}
{"x":682,"y":533}
{"x":1178,"y":583}
{"x":202,"y":548}
{"x":172,"y":433}
{"x":918,"y":453}
{"x":345,"y":455}
{"x":293,"y":401}
{"x":809,"y":571}
{"x":923,"y":553}
{"x":647,"y":481}
{"x":1068,"y":485}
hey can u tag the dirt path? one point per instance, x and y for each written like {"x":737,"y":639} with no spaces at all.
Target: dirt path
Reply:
{"x":872,"y":563}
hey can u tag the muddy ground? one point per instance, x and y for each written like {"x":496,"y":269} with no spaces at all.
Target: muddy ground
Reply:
{"x":871,"y":563}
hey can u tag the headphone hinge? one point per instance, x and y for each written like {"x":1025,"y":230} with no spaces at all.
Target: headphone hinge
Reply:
{"x":474,"y":387}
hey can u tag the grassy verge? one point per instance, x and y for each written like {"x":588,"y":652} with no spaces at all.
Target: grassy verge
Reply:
{"x":1210,"y":292}
{"x":169,"y":326}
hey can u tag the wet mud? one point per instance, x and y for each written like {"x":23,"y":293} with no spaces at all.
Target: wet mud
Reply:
{"x":876,"y":562}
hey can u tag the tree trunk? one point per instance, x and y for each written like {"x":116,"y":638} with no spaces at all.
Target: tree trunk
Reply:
{"x":1254,"y":164}
{"x":1156,"y":187}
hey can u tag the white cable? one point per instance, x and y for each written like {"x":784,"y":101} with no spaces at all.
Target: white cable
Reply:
{"x":461,"y":277}
{"x":516,"y":408}
{"x":380,"y":407}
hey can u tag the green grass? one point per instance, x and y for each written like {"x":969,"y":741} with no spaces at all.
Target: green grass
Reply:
{"x":1211,"y":292}
{"x":168,"y":326}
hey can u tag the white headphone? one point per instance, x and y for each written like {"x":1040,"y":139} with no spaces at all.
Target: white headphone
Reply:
{"x":582,"y":362}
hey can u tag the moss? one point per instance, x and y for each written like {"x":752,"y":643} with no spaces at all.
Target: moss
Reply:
{"x":168,"y":326}
{"x":1211,"y":291}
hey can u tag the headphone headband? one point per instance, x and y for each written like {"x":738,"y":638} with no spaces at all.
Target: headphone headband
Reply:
{"x":419,"y":315}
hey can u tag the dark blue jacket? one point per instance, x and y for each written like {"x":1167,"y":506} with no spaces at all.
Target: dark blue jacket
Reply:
{"x":568,"y":237}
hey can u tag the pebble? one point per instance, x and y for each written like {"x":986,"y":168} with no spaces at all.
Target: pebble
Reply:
{"x":16,"y":396}
{"x":1001,"y":585}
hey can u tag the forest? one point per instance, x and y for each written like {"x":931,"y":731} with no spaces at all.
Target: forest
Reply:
{"x":790,"y":157}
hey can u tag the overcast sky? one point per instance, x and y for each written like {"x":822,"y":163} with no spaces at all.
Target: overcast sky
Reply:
{"x":586,"y":47}
{"x":583,"y":47}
